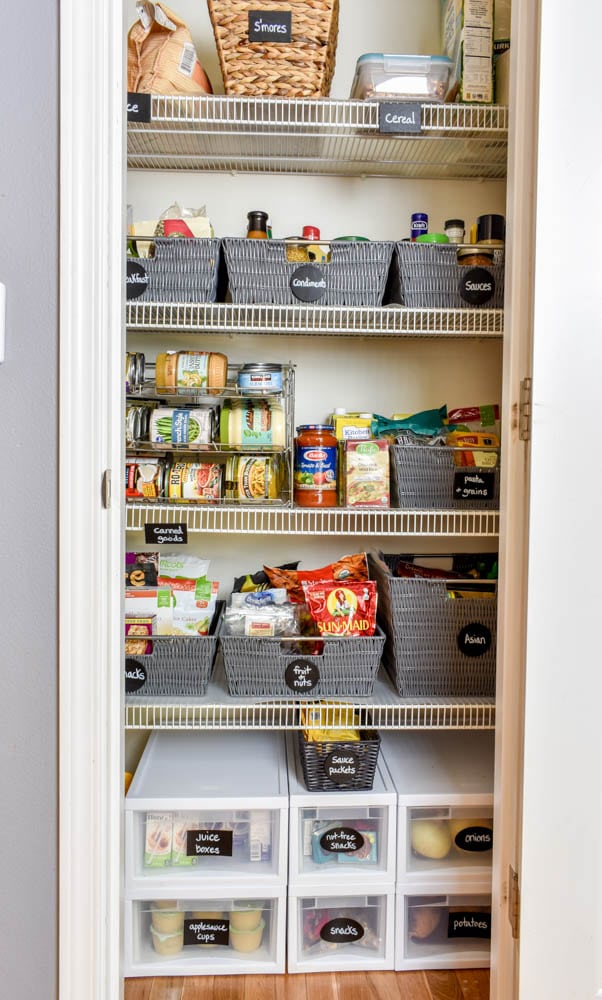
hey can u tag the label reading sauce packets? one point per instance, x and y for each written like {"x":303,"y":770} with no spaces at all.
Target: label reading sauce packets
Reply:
{"x":474,"y":639}
{"x":139,"y":107}
{"x":342,"y":766}
{"x":202,"y":931}
{"x":135,"y":675}
{"x":469,"y":923}
{"x":474,"y":838}
{"x":341,"y":840}
{"x":270,"y":26}
{"x":301,"y":676}
{"x":136,"y":279}
{"x":308,"y":283}
{"x":343,"y":930}
{"x":474,"y":486}
{"x":476,"y":286}
{"x":165,"y":534}
{"x":208,"y":843}
{"x":399,"y":116}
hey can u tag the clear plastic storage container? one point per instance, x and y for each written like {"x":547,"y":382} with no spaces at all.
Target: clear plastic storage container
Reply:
{"x":447,"y":928}
{"x":382,"y":76}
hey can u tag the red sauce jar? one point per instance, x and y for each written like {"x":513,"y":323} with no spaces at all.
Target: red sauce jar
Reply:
{"x":315,"y":478}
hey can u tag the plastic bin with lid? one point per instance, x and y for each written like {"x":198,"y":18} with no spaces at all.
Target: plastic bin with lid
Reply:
{"x":386,"y":76}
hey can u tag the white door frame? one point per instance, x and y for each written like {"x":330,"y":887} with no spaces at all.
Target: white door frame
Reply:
{"x":90,"y":559}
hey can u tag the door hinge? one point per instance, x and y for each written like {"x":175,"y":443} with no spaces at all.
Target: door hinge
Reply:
{"x":524,"y":410}
{"x":105,"y":489}
{"x":513,"y":902}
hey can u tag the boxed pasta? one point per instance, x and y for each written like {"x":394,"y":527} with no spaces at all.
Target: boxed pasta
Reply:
{"x":366,"y":474}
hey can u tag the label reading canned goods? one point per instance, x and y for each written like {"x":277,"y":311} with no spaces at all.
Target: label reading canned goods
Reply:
{"x":315,"y":468}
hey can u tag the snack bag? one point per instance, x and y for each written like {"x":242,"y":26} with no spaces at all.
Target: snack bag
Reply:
{"x":343,"y":609}
{"x":348,"y":569}
{"x":162,"y":57}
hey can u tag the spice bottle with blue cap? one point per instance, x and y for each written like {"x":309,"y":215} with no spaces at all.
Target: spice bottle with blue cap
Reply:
{"x":419,"y":224}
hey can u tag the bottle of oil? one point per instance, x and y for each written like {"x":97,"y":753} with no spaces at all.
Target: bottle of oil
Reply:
{"x":257,"y":227}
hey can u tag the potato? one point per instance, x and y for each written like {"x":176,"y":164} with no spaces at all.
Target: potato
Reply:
{"x":431,"y":838}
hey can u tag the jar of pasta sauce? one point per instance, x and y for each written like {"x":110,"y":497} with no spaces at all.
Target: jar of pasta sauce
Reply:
{"x":315,"y":466}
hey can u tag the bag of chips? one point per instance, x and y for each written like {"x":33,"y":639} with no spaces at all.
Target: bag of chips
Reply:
{"x":348,"y":569}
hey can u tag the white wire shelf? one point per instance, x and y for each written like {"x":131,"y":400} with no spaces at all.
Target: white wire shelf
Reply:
{"x":232,"y":520}
{"x":384,"y":709}
{"x":382,"y":321}
{"x":250,"y":134}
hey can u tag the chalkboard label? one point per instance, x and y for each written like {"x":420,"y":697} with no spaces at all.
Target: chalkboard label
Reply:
{"x":136,"y":279}
{"x":165,"y":534}
{"x":270,"y":26}
{"x":342,"y":840}
{"x":342,"y":766}
{"x":342,"y":930}
{"x":474,"y":838}
{"x":308,"y":283}
{"x":476,"y":286}
{"x":209,"y":843}
{"x":139,"y":107}
{"x":399,"y":116}
{"x":199,"y":930}
{"x":301,"y":676}
{"x":472,"y":485}
{"x":474,"y":639}
{"x":468,"y":924}
{"x":135,"y":675}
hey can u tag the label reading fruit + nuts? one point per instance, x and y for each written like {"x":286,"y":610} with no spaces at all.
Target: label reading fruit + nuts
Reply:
{"x":301,"y":676}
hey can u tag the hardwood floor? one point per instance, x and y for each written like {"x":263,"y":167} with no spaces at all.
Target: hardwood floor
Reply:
{"x":464,"y":984}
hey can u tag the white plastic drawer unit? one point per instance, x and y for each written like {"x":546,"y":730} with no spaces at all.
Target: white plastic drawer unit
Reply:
{"x":444,"y":783}
{"x":205,"y":936}
{"x":340,"y":836}
{"x":330,"y":931}
{"x":207,"y":806}
{"x":443,"y":929}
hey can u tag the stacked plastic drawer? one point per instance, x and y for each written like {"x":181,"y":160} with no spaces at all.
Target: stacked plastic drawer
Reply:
{"x":444,"y":786}
{"x":206,"y":834}
{"x":342,"y":856}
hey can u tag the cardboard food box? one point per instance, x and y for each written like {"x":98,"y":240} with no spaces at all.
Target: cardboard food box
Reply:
{"x":366,"y":474}
{"x":467,"y":39}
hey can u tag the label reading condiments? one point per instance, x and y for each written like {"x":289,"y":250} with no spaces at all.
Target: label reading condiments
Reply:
{"x":270,"y":26}
{"x":308,"y":283}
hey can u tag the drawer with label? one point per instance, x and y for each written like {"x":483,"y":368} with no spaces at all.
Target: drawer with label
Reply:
{"x":443,"y":929}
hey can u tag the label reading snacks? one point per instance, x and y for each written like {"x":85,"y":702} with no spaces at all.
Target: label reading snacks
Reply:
{"x":342,"y":929}
{"x":209,"y":843}
{"x":474,"y":639}
{"x":301,"y":676}
{"x":469,"y":923}
{"x":270,"y":26}
{"x":202,"y":931}
{"x":135,"y":675}
{"x":399,"y":116}
{"x":166,"y":534}
{"x":476,"y":286}
{"x":342,"y":766}
{"x":308,"y":283}
{"x":341,"y":840}
{"x":139,"y":107}
{"x":136,"y":279}
{"x":474,"y":486}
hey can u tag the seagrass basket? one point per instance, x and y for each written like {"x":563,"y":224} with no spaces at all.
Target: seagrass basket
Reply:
{"x":301,"y":67}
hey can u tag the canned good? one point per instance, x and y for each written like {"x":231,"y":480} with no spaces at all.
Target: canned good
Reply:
{"x":252,"y":423}
{"x":134,"y":370}
{"x":175,"y":426}
{"x":252,"y":477}
{"x":137,"y":422}
{"x":260,"y":377}
{"x":194,"y":481}
{"x":145,"y":478}
{"x":191,"y":370}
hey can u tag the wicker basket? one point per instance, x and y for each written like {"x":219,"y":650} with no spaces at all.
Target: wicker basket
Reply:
{"x":182,"y":270}
{"x":259,"y":272}
{"x":434,"y":642}
{"x":427,"y":478}
{"x":269,"y":667}
{"x":178,"y":665}
{"x":324,"y":773}
{"x":302,"y":67}
{"x":431,"y":278}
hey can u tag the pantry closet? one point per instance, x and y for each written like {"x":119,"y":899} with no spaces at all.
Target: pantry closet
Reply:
{"x":404,"y":372}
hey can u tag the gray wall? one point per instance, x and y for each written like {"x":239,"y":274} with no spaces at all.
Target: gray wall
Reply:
{"x":28,"y":501}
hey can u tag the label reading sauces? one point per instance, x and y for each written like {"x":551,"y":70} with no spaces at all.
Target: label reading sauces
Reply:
{"x":477,"y":286}
{"x":270,"y":26}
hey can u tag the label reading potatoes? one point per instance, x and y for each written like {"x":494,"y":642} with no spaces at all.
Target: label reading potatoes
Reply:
{"x":474,"y":639}
{"x":342,"y":840}
{"x":209,"y":843}
{"x":301,"y":676}
{"x":308,"y":283}
{"x":270,"y":26}
{"x":474,"y":485}
{"x":136,"y":279}
{"x":135,"y":675}
{"x":474,"y":838}
{"x":343,"y":930}
{"x":469,"y":923}
{"x":139,"y":107}
{"x":342,"y":766}
{"x":166,"y":534}
{"x":199,"y":930}
{"x":477,"y":286}
{"x":399,"y":116}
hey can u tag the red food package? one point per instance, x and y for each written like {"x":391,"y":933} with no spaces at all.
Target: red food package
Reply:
{"x":347,"y":569}
{"x":342,"y":609}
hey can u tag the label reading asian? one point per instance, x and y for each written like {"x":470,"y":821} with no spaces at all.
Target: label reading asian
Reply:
{"x":474,"y":639}
{"x":270,"y":26}
{"x":474,"y":485}
{"x":209,"y":843}
{"x":342,"y":767}
{"x":301,"y":676}
{"x":342,"y":930}
{"x":399,"y":116}
{"x":199,"y":930}
{"x":166,"y":534}
{"x":469,"y":923}
{"x":139,"y":107}
{"x":342,"y":840}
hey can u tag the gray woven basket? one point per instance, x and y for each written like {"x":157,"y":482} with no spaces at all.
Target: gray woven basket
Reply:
{"x":258,"y":272}
{"x":430,"y":277}
{"x":273,"y":667}
{"x":426,"y":478}
{"x":425,"y":629}
{"x":182,"y":270}
{"x":178,"y":665}
{"x":314,"y":757}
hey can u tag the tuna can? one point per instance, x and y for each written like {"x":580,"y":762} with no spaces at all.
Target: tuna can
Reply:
{"x":260,"y":377}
